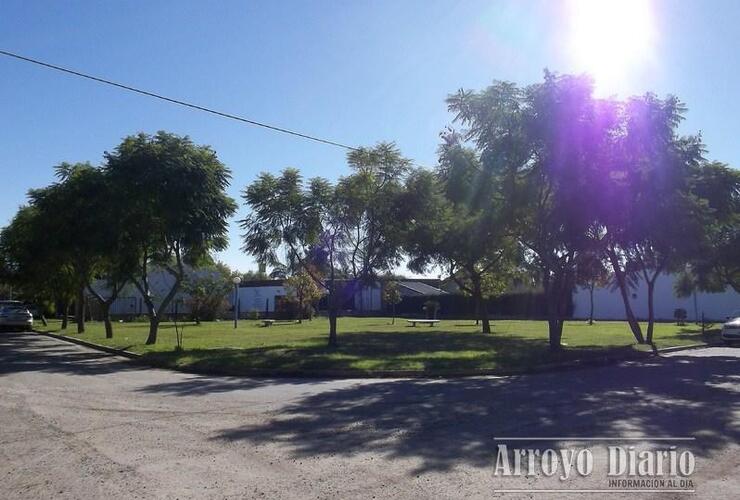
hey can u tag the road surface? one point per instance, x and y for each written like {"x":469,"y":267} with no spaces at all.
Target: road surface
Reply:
{"x":76,"y":423}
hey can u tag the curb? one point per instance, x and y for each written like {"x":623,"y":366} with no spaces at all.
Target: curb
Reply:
{"x":684,"y":347}
{"x":85,"y":343}
{"x":380,"y":374}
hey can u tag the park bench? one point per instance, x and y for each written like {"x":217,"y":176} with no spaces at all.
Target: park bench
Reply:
{"x":430,"y":322}
{"x":267,"y":322}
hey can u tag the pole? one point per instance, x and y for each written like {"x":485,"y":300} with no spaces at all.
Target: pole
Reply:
{"x":236,"y":308}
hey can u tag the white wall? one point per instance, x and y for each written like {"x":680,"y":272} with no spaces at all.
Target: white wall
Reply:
{"x":608,"y":304}
{"x":252,"y":298}
{"x":129,"y":301}
{"x":368,"y":299}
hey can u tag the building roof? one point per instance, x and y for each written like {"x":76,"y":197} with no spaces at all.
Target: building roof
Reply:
{"x":408,"y":287}
{"x":259,"y":283}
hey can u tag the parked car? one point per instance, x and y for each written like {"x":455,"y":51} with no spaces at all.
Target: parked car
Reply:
{"x":731,"y":328}
{"x":15,"y":315}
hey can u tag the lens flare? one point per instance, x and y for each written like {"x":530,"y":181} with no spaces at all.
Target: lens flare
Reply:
{"x":610,"y":39}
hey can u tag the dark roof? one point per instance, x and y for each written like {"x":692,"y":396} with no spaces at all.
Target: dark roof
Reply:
{"x":257,"y":283}
{"x":419,"y":288}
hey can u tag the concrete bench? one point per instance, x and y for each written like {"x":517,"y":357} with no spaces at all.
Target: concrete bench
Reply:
{"x":267,"y":322}
{"x":430,"y":322}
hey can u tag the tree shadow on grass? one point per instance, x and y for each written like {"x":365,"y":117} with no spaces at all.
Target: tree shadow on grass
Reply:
{"x":431,"y":353}
{"x":694,"y":335}
{"x":451,"y":422}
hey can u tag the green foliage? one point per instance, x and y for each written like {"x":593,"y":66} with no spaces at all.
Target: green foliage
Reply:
{"x":716,"y":264}
{"x":331,"y":231}
{"x":30,"y":264}
{"x":171,"y":202}
{"x":303,"y":290}
{"x":207,"y":293}
{"x":391,"y":293}
{"x":686,"y":284}
{"x":254,"y":276}
{"x":456,"y":221}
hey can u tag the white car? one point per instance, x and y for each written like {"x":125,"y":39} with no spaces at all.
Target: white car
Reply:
{"x":731,"y":328}
{"x":15,"y":315}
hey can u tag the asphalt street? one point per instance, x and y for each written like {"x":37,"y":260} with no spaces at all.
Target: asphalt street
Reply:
{"x":77,"y":423}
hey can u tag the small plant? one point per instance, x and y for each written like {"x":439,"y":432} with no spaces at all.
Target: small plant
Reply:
{"x":179,"y":330}
{"x":392,"y":296}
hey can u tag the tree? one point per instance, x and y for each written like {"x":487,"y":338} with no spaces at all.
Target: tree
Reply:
{"x":31,"y":265}
{"x":303,"y":290}
{"x":207,"y":291}
{"x":392,"y":296}
{"x":254,"y":276}
{"x":71,"y":211}
{"x":331,"y":231}
{"x":95,"y":236}
{"x":716,"y":264}
{"x":542,"y":143}
{"x":652,"y":223}
{"x":369,"y":205}
{"x":288,"y":215}
{"x":171,"y":201}
{"x":458,"y":226}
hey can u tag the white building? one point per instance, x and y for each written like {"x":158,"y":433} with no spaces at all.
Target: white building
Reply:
{"x":267,"y":295}
{"x":608,"y":303}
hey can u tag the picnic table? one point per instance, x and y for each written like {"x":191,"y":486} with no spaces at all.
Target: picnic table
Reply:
{"x":430,"y":322}
{"x":267,"y":322}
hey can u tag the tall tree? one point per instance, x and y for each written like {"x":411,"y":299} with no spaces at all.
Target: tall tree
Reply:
{"x":369,"y":204}
{"x":288,"y":215}
{"x":86,"y":227}
{"x":652,"y":223}
{"x":717,"y":263}
{"x":542,"y":143}
{"x":455,"y":223}
{"x":35,"y":268}
{"x":171,"y":202}
{"x":71,"y":212}
{"x":347,"y":229}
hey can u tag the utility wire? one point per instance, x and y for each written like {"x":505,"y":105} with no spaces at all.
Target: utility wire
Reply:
{"x":177,"y":101}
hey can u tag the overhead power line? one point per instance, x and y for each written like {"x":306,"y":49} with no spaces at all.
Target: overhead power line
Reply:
{"x":178,"y":101}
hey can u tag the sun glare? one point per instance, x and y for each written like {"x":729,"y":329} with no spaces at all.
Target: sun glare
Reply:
{"x":610,"y":39}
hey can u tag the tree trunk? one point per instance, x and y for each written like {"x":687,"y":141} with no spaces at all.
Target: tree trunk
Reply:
{"x":332,"y":327}
{"x":591,"y":307}
{"x":651,"y":312}
{"x":622,"y":285}
{"x":555,"y":313}
{"x":393,"y":319}
{"x":483,"y":311}
{"x":80,"y":310}
{"x":153,"y":328}
{"x":65,"y":314}
{"x":555,"y":332}
{"x":106,"y":319}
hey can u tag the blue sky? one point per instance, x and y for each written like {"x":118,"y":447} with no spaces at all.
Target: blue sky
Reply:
{"x":353,"y":71}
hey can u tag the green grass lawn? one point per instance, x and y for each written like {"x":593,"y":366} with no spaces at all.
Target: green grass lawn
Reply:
{"x":373,"y":344}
